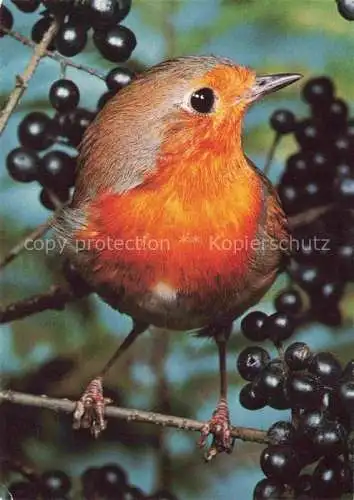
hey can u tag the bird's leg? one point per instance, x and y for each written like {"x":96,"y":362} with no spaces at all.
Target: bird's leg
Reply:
{"x":90,"y":408}
{"x":219,"y":424}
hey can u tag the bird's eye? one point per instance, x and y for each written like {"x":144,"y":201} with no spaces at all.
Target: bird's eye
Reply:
{"x":203,"y":100}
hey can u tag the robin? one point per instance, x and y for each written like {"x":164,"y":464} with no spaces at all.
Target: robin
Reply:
{"x":170,"y":222}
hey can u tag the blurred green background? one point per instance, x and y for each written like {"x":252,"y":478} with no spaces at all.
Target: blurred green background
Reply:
{"x":57,"y":353}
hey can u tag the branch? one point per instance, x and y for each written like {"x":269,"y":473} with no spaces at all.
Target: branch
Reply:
{"x":37,"y":233}
{"x":131,"y":415}
{"x":304,"y":218}
{"x":21,"y":245}
{"x":55,"y":298}
{"x":53,"y":55}
{"x":23,"y":80}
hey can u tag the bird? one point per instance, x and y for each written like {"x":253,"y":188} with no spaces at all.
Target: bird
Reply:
{"x":170,"y":221}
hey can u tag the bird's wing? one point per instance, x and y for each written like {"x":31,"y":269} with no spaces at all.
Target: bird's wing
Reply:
{"x":276,"y":222}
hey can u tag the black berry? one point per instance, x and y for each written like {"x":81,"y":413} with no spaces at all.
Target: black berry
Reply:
{"x":279,"y":462}
{"x":71,"y":39}
{"x":330,"y":478}
{"x":346,"y":395}
{"x":64,"y":95}
{"x":297,"y":356}
{"x":112,"y":479}
{"x":118,"y":78}
{"x":63,"y":196}
{"x":57,"y":169}
{"x":268,"y":489}
{"x":36,"y":131}
{"x":106,"y":13}
{"x":330,"y":439}
{"x":346,"y":9}
{"x":252,"y":326}
{"x":22,"y":164}
{"x":251,"y":362}
{"x":326,"y":367}
{"x":344,"y":192}
{"x":283,"y":121}
{"x":304,"y":390}
{"x":318,"y":91}
{"x":54,"y":484}
{"x":115,"y":44}
{"x":289,"y":302}
{"x":281,"y":433}
{"x":279,"y":326}
{"x":251,"y":399}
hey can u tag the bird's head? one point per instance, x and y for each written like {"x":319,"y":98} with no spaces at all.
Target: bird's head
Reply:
{"x":205,"y":98}
{"x":216,"y":87}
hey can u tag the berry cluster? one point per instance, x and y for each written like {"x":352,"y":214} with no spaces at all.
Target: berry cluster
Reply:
{"x":109,"y":482}
{"x":55,"y":170}
{"x":114,"y":42}
{"x":321,"y":174}
{"x":320,"y":394}
{"x":322,"y":170}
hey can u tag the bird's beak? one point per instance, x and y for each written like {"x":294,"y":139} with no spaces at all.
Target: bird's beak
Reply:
{"x":264,"y":84}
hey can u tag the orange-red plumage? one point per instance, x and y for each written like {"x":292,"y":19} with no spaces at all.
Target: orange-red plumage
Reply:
{"x":199,"y":168}
{"x":181,"y":247}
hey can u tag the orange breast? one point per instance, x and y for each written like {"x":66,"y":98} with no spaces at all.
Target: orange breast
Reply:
{"x":187,"y":228}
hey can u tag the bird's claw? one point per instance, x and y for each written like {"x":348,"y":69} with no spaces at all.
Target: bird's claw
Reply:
{"x":90,"y":408}
{"x":220,"y":428}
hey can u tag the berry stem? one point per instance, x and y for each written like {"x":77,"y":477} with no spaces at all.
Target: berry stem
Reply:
{"x":23,"y":79}
{"x":53,"y":55}
{"x":295,"y":417}
{"x":271,"y":153}
{"x":132,"y":415}
{"x":280,"y":348}
{"x":63,"y":67}
{"x":281,"y":353}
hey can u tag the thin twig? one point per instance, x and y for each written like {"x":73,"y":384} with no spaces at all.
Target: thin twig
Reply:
{"x":55,"y":298}
{"x":23,"y":80}
{"x":64,"y":62}
{"x":304,"y":218}
{"x":271,"y":153}
{"x":130,"y":415}
{"x":34,"y":235}
{"x":37,"y":233}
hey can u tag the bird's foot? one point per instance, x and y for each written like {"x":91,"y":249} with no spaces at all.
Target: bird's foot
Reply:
{"x":220,"y":428}
{"x":90,"y":408}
